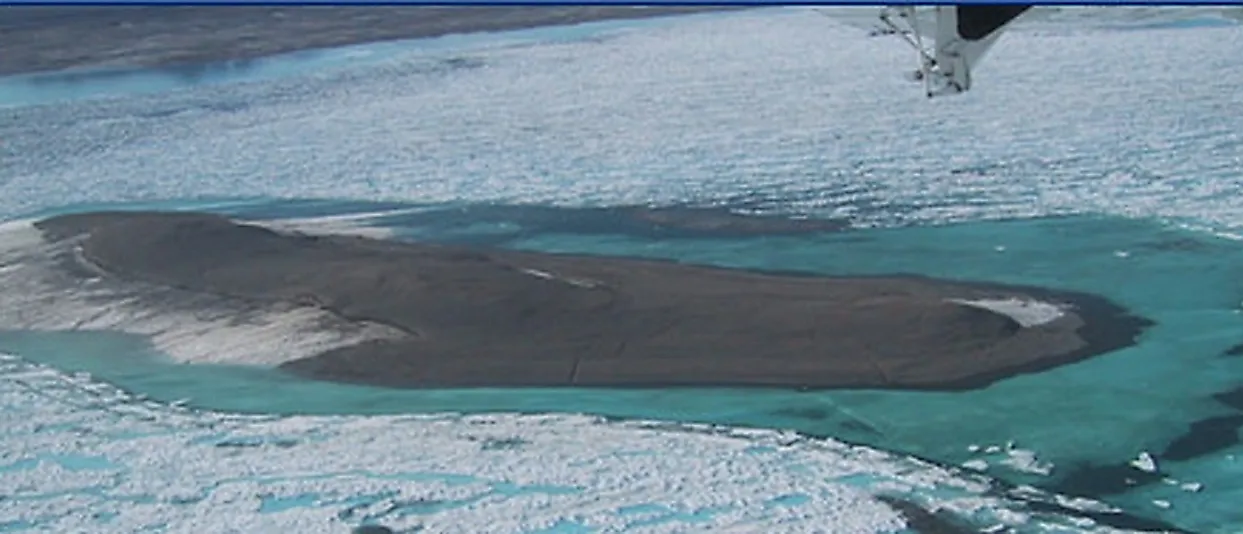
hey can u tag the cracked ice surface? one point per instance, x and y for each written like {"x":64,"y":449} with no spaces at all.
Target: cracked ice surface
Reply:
{"x":782,"y":110}
{"x":84,"y":456}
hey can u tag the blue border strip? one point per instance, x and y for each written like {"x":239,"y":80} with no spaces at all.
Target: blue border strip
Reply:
{"x":653,"y":3}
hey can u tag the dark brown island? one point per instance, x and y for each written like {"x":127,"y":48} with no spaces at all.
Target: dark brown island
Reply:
{"x":492,"y":317}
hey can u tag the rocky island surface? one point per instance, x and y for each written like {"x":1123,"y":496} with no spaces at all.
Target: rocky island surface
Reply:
{"x":459,"y":316}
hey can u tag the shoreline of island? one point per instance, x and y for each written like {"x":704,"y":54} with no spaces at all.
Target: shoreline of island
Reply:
{"x":455,"y":316}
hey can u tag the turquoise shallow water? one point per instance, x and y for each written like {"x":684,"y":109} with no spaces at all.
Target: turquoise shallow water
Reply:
{"x":1105,"y":182}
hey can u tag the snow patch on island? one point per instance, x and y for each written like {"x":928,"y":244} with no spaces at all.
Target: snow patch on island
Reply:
{"x":188,"y":327}
{"x":1027,"y":313}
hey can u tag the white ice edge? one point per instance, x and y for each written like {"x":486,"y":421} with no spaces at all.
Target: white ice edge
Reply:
{"x":130,"y":464}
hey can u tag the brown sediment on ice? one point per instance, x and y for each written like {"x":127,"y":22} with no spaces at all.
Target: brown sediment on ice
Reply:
{"x":491,"y":317}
